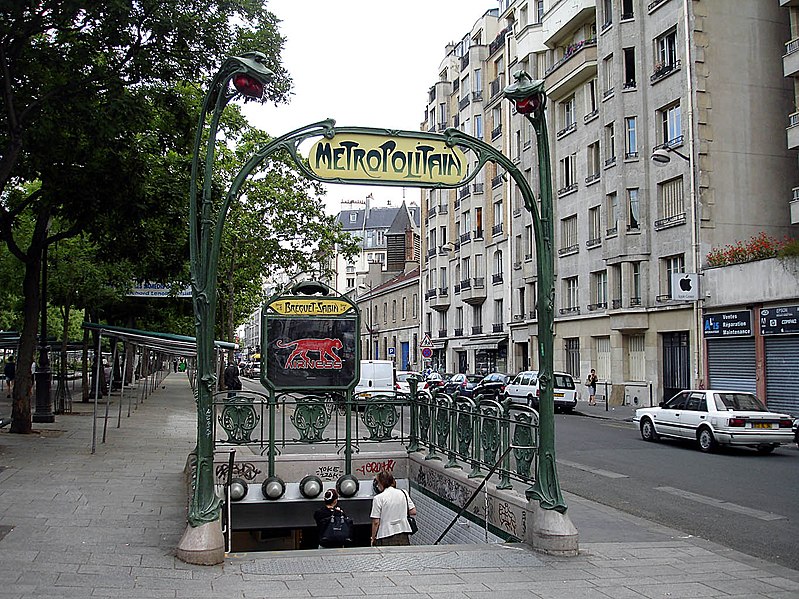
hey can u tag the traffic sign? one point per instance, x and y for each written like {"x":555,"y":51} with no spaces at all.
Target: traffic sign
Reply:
{"x":426,"y":341}
{"x":427,"y":352}
{"x":391,"y":351}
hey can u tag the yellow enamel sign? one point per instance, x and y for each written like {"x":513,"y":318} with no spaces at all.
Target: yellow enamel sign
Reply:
{"x":310,"y":307}
{"x":367,"y":157}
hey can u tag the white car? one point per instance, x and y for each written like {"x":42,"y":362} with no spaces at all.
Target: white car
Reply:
{"x":713,"y":418}
{"x":403,"y":386}
{"x":524,"y":389}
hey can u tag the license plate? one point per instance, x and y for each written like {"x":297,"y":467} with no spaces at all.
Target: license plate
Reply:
{"x":761,"y":425}
{"x":558,"y":394}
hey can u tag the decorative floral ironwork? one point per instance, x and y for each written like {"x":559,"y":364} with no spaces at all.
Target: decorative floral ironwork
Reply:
{"x":239,"y":419}
{"x":310,"y":418}
{"x":525,"y":443}
{"x":380,"y":416}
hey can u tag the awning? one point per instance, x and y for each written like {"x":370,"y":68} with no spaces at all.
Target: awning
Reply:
{"x":180,"y":345}
{"x":490,"y":343}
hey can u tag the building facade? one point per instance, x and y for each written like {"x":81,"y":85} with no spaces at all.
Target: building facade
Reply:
{"x":665,"y":123}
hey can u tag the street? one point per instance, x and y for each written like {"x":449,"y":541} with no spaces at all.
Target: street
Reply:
{"x":734,"y":497}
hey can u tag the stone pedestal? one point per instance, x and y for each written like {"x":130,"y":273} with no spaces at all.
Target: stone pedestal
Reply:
{"x":553,"y":533}
{"x":202,"y":545}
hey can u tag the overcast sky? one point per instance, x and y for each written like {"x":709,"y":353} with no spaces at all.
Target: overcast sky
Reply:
{"x":363,"y":63}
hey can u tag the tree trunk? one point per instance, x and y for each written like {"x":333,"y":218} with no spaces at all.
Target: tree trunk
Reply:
{"x":23,"y":379}
{"x":84,"y":371}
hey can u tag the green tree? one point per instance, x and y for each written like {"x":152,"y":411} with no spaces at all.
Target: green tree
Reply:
{"x":78,"y":83}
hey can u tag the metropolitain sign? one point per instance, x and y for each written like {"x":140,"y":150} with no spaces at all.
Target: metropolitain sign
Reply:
{"x":367,"y":157}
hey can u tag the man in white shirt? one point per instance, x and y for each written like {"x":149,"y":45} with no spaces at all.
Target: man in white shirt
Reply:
{"x":390,"y":511}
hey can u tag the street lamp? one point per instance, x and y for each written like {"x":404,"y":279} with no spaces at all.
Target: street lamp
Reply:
{"x":202,"y":542}
{"x":370,"y":330}
{"x":662,"y":155}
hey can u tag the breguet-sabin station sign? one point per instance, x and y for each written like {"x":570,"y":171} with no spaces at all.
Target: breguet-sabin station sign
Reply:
{"x":361,"y":156}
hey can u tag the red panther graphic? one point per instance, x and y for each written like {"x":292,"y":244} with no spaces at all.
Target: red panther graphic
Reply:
{"x":298,"y":358}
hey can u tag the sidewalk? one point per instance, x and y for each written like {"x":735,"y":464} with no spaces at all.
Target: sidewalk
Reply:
{"x":74,"y":524}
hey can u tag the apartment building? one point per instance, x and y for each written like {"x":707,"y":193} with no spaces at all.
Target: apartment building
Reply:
{"x":665,"y":121}
{"x":790,"y":64}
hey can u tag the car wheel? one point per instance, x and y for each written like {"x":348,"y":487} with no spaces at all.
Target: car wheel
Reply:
{"x":648,"y":430}
{"x":765,"y":449}
{"x":706,"y":440}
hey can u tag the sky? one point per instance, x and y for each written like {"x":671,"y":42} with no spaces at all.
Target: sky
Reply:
{"x":367,"y":63}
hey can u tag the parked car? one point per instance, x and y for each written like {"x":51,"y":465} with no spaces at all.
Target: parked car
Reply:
{"x":462,"y":384}
{"x":796,"y":431}
{"x":377,"y":378}
{"x":713,"y":417}
{"x":435,"y":380}
{"x":493,"y":384}
{"x":403,"y":386}
{"x":524,"y":389}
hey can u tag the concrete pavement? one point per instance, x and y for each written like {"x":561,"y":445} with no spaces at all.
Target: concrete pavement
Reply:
{"x":73,"y":524}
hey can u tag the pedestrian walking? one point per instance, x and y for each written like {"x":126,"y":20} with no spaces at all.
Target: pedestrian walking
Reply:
{"x":332,"y":524}
{"x":390,"y":511}
{"x":10,"y":371}
{"x":591,"y":384}
{"x":231,"y":379}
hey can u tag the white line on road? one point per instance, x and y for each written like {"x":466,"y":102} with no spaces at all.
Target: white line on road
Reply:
{"x":732,"y":507}
{"x":599,"y":471}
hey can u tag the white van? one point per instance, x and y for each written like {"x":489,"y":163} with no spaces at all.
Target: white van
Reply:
{"x":377,"y":378}
{"x":524,"y":390}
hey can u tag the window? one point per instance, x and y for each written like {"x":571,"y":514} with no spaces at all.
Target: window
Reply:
{"x":615,"y":285}
{"x":636,"y":357}
{"x":478,"y":218}
{"x":415,"y":308}
{"x":459,"y":319}
{"x":478,"y":126}
{"x":498,"y":313}
{"x":477,"y":318}
{"x":404,"y":308}
{"x":607,"y":13}
{"x":466,"y":269}
{"x":671,"y":199}
{"x":610,"y":144}
{"x":599,"y":291}
{"x":627,"y":10}
{"x":671,"y":265}
{"x":567,"y":115}
{"x":442,"y":278}
{"x":498,"y":263}
{"x":571,"y":296}
{"x":385,"y":312}
{"x":629,"y":68}
{"x":573,"y":356}
{"x":539,"y":11}
{"x":591,"y":106}
{"x":353,"y":217}
{"x":613,"y":213}
{"x":671,"y":125}
{"x":528,"y":242}
{"x":631,"y":137}
{"x":593,"y":163}
{"x":594,"y":226}
{"x":350,"y":282}
{"x":666,"y":50}
{"x":633,"y":211}
{"x":394,"y":310}
{"x":568,"y":234}
{"x":478,"y":84}
{"x":635,"y":284}
{"x":568,"y":172}
{"x":607,"y":71}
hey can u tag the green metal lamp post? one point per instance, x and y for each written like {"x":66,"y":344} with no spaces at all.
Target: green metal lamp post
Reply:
{"x":202,"y":543}
{"x":529,"y":99}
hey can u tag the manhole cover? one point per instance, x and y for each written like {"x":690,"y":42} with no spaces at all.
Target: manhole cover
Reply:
{"x":4,"y":530}
{"x":434,"y":559}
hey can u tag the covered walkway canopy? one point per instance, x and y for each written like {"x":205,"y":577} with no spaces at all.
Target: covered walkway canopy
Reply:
{"x":168,"y":343}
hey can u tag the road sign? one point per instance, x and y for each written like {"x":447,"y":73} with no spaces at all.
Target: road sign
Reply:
{"x":426,"y":341}
{"x":427,"y":352}
{"x":391,"y":351}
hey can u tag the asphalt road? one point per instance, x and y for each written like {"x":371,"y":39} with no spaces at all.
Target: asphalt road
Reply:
{"x":734,"y":497}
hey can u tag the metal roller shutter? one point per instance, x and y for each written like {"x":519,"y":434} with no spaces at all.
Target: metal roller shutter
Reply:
{"x":731,"y":364}
{"x":782,"y":374}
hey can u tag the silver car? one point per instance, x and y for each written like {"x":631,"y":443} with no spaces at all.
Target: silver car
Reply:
{"x":713,"y":418}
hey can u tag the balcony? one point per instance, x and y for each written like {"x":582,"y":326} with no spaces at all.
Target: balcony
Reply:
{"x":431,"y":252}
{"x":465,"y":60}
{"x":664,"y":69}
{"x":517,"y":265}
{"x":477,"y":96}
{"x":533,"y":315}
{"x":440,"y":301}
{"x":597,"y":306}
{"x":593,"y":178}
{"x":475,"y":293}
{"x":431,"y":211}
{"x":441,"y":127}
{"x":569,"y":250}
{"x":496,"y":278}
{"x":458,"y":201}
{"x":654,"y":5}
{"x":478,"y":234}
{"x":570,"y":311}
{"x":458,"y":332}
{"x":615,"y":304}
{"x":577,"y":66}
{"x":431,"y":96}
{"x":566,"y":130}
{"x":795,"y":206}
{"x":611,"y":161}
{"x":498,"y":43}
{"x":442,"y":334}
{"x":631,"y":155}
{"x":466,"y":284}
{"x":670,"y":221}
{"x":635,"y":302}
{"x":612,"y":231}
{"x":608,"y":93}
{"x":466,"y":237}
{"x":443,"y":291}
{"x":456,"y":288}
{"x":464,"y":192}
{"x":477,"y":188}
{"x":478,"y":330}
{"x":496,"y":86}
{"x":443,"y":209}
{"x":496,"y":230}
{"x":793,"y":131}
{"x":564,"y":191}
{"x":496,"y":132}
{"x":591,"y":115}
{"x":592,"y":243}
{"x":497,"y":327}
{"x":464,"y":102}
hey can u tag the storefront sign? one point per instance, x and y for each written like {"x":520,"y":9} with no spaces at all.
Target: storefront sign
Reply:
{"x":779,"y":321}
{"x":373,"y":158}
{"x":728,"y":324}
{"x":310,"y":307}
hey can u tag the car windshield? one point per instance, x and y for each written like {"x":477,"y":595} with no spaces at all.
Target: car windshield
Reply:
{"x":402,"y":377}
{"x":474,"y":378}
{"x":563,"y":381}
{"x":739,"y":401}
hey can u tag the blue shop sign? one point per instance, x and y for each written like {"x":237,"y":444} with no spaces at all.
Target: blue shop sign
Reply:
{"x":728,"y":324}
{"x":779,"y":321}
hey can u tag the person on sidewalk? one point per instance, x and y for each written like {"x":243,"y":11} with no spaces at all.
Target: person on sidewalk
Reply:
{"x":231,"y":379}
{"x":591,"y":384}
{"x":323,"y":516}
{"x":390,"y":511}
{"x":10,"y":371}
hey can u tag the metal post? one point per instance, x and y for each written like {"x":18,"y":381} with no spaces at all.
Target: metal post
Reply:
{"x":44,"y":404}
{"x":97,"y":359}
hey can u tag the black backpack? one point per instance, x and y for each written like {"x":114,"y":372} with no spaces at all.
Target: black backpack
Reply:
{"x":338,"y":530}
